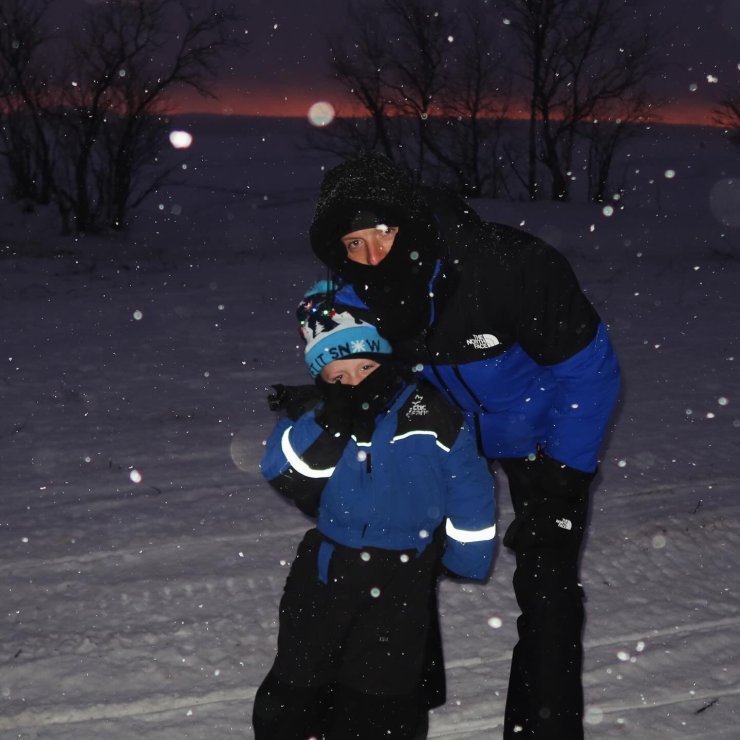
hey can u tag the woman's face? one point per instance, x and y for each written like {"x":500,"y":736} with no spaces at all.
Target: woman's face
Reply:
{"x":351,"y":371}
{"x":369,"y":246}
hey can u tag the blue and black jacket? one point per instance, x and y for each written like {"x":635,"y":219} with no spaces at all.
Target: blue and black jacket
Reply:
{"x":419,"y":470}
{"x":492,"y":316}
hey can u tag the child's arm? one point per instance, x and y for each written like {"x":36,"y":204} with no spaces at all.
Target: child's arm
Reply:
{"x":471,"y":510}
{"x":300,"y":458}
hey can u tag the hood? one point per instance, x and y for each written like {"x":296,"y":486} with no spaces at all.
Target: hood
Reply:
{"x":370,"y":183}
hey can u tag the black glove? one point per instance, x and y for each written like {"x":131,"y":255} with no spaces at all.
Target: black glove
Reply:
{"x":335,"y":416}
{"x":295,"y":400}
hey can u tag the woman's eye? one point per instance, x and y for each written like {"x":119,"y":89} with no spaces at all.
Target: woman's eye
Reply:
{"x":354,"y":245}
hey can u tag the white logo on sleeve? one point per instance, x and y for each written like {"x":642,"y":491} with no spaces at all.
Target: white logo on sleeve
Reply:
{"x":483,"y":341}
{"x":564,"y":523}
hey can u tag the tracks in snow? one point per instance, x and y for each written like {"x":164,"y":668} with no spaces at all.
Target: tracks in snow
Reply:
{"x":444,"y":726}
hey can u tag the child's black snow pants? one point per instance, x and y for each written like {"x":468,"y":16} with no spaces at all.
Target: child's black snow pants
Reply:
{"x":350,"y":650}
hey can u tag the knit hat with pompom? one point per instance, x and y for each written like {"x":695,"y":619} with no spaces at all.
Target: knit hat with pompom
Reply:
{"x":332,"y":332}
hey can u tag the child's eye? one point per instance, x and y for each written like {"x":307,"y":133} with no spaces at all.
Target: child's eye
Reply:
{"x":354,"y":245}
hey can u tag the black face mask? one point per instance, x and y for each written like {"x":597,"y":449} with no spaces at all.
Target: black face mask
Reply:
{"x":371,"y":397}
{"x":353,"y":409}
{"x":397,"y":289}
{"x":377,"y":390}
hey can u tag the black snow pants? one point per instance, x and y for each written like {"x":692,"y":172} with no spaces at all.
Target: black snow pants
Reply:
{"x":545,"y":694}
{"x":351,"y":649}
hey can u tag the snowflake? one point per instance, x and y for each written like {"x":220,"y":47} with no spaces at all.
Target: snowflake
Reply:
{"x":358,"y":346}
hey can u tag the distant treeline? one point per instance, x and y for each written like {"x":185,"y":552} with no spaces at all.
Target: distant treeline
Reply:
{"x":83,"y":111}
{"x":437,"y":83}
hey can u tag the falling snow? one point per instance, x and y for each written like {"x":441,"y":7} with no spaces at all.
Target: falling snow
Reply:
{"x":143,"y":555}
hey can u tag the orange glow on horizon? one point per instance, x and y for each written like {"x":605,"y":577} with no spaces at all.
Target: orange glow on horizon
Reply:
{"x":256,"y":103}
{"x":296,"y":105}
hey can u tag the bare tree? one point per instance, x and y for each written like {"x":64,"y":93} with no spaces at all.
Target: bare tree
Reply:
{"x":361,"y":66}
{"x":432,"y":90}
{"x":727,"y":113}
{"x":127,"y":62}
{"x":476,"y":103}
{"x":532,"y":22}
{"x":395,"y":65}
{"x":579,"y":57}
{"x":606,"y":135}
{"x":419,"y":66}
{"x":25,"y":142}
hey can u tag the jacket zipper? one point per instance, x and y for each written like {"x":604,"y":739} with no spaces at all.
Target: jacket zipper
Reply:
{"x":475,"y":398}
{"x":455,"y":369}
{"x":458,"y":375}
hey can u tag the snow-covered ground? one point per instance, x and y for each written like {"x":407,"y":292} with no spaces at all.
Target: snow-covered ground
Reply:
{"x":141,"y":555}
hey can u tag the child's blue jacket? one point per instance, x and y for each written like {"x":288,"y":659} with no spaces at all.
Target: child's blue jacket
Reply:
{"x":420,"y":470}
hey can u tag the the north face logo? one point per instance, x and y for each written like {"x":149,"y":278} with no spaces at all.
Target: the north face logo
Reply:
{"x":564,"y":523}
{"x":483,"y":341}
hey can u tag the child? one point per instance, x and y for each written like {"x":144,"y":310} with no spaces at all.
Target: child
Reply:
{"x":393,"y":475}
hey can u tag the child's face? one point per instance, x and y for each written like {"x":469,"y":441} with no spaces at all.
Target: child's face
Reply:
{"x":348,"y":372}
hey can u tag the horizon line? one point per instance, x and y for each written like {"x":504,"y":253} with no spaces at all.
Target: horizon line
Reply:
{"x":693,"y":113}
{"x":226,"y":113}
{"x":296,"y":104}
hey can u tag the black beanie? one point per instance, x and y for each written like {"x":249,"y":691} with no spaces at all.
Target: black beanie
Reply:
{"x":355,"y":217}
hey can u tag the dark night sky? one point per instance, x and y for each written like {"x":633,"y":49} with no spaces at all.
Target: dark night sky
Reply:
{"x":284,"y":70}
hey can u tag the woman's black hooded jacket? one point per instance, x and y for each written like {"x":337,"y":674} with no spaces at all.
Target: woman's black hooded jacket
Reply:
{"x":491,"y":315}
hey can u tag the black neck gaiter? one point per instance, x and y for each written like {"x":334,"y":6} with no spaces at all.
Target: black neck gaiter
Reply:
{"x":396,"y":290}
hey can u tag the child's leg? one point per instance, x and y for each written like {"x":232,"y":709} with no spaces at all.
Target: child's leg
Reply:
{"x":370,"y":717}
{"x":433,"y":688}
{"x":382,"y":661}
{"x":285,"y":712}
{"x":314,"y":617}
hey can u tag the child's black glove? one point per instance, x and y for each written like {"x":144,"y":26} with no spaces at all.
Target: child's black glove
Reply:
{"x":335,"y":416}
{"x":295,"y":400}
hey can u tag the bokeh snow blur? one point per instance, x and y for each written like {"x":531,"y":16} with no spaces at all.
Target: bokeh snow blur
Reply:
{"x":143,"y":556}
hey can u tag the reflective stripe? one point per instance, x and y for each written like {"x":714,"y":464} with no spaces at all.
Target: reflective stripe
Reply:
{"x":297,"y":464}
{"x":421,"y":431}
{"x":469,"y":535}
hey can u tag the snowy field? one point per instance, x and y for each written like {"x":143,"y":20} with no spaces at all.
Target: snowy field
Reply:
{"x":142,"y":556}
